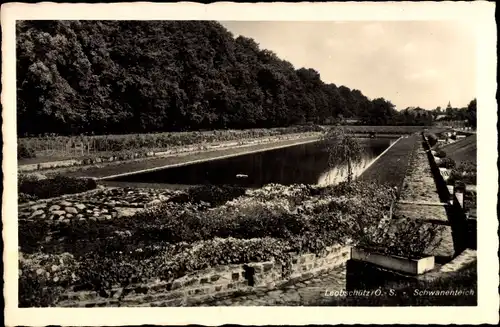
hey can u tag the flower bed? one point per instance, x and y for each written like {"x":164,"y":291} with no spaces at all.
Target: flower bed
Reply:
{"x":173,"y":239}
{"x":466,"y":172}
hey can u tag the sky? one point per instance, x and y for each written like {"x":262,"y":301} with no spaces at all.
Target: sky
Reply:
{"x":410,"y":63}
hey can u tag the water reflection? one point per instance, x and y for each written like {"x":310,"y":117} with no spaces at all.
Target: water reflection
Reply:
{"x":306,"y":164}
{"x":338,"y":173}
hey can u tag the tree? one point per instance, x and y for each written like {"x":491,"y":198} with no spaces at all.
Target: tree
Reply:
{"x":343,"y":148}
{"x":472,"y":113}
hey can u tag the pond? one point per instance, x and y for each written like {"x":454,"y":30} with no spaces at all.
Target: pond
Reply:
{"x":299,"y":164}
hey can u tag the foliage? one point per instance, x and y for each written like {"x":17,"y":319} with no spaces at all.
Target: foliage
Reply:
{"x":133,"y":77}
{"x":447,"y":163}
{"x":25,"y":152}
{"x":472,"y":114}
{"x":214,"y":195}
{"x":174,"y":239}
{"x":466,"y":172}
{"x":121,"y":144}
{"x":431,"y":138}
{"x":440,"y":153}
{"x":343,"y":148}
{"x":55,"y":186}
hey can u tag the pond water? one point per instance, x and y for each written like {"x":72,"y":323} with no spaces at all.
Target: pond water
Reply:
{"x":300,"y":164}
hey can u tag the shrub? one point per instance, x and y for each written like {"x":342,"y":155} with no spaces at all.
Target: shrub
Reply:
{"x":215,"y":195}
{"x":25,"y":151}
{"x":56,"y":186}
{"x":447,"y":163}
{"x":466,"y":172}
{"x":22,"y":197}
{"x":440,"y":154}
{"x":432,"y":139}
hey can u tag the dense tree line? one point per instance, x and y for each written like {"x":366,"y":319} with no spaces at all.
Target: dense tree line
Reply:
{"x":145,"y":76}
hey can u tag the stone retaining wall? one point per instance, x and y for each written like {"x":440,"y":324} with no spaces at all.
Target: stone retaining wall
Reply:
{"x":213,"y":283}
{"x":456,"y":214}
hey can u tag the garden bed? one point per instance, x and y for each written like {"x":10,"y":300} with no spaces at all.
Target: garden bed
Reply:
{"x":173,"y":239}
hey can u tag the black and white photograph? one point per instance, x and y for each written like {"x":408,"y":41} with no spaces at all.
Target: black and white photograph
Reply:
{"x":248,"y":162}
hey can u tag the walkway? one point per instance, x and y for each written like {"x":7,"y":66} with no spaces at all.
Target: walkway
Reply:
{"x":420,"y":200}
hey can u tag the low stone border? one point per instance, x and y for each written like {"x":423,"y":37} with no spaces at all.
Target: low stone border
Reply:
{"x":457,"y":216}
{"x":213,"y":283}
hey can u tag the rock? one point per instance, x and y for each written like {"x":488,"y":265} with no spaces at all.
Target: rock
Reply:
{"x":37,"y":213}
{"x":69,"y":215}
{"x":79,"y":215}
{"x":54,"y":268}
{"x":65,"y":203}
{"x":104,"y":211}
{"x":42,"y":216}
{"x":54,"y":207}
{"x":71,"y":210}
{"x":82,"y":219}
{"x":93,"y":218}
{"x":39,"y":206}
{"x":107,"y":217}
{"x":80,"y":206}
{"x":59,"y":212}
{"x":66,"y":221}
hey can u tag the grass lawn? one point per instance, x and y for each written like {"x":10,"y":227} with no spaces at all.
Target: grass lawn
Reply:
{"x":391,"y":167}
{"x":463,"y":150}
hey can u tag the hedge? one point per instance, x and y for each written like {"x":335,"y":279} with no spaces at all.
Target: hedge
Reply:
{"x":32,"y":189}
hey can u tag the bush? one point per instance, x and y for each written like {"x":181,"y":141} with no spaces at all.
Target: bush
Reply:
{"x":22,"y":197}
{"x":447,"y":163}
{"x":24,"y":151}
{"x":56,"y":186}
{"x":440,"y":154}
{"x":466,"y":172}
{"x":432,"y":139}
{"x":214,"y":195}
